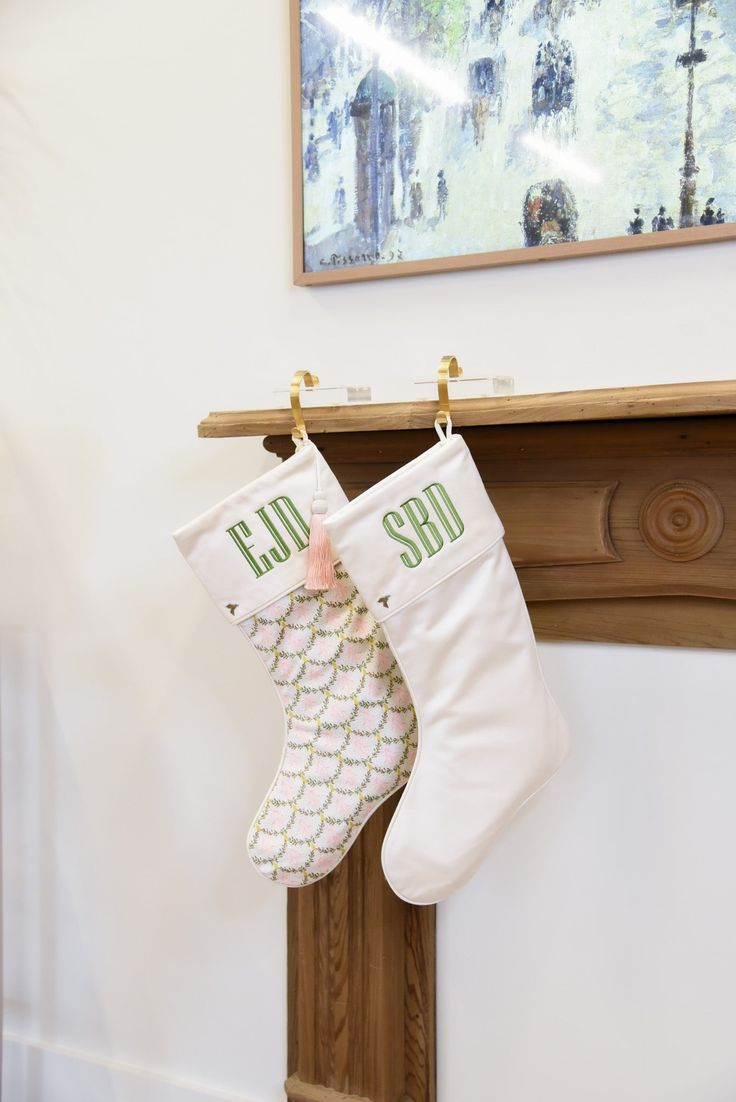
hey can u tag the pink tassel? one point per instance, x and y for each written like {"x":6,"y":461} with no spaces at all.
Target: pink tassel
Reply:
{"x":320,"y":569}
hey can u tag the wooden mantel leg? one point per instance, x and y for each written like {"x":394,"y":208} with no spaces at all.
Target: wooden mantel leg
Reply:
{"x":361,"y":985}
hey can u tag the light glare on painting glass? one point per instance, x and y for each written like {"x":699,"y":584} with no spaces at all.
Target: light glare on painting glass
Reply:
{"x":393,"y":55}
{"x":562,"y":158}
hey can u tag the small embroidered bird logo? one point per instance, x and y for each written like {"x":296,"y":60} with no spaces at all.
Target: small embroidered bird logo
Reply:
{"x":231,"y":609}
{"x":384,"y":600}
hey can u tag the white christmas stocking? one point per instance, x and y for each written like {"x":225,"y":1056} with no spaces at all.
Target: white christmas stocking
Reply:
{"x":350,"y":725}
{"x":425,"y":547}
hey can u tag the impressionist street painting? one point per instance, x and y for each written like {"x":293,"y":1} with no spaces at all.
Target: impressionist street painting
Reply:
{"x":438,"y":128}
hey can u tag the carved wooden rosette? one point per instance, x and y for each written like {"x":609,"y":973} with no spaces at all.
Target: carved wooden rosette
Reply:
{"x":681,"y":520}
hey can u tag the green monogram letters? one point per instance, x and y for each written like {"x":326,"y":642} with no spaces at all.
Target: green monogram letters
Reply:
{"x":281,"y":519}
{"x":429,"y":538}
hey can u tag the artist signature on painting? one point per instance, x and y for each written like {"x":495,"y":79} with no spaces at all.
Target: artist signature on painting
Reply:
{"x":336,"y":259}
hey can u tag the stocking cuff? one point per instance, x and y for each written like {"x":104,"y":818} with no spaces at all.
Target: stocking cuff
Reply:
{"x":415,"y":528}
{"x":251,"y":549}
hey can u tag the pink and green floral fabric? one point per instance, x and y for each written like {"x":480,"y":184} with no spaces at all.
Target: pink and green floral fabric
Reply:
{"x":351,"y":730}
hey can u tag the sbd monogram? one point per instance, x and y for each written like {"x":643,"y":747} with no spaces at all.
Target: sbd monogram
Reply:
{"x":429,"y":538}
{"x":282,"y":520}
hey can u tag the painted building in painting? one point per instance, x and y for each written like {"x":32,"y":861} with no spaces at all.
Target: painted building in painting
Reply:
{"x":373,"y":111}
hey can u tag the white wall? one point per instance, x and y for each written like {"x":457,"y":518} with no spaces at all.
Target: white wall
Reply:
{"x":145,"y":279}
{"x":593,"y":957}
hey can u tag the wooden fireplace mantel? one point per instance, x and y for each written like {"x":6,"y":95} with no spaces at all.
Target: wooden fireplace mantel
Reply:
{"x":615,"y":403}
{"x":620,"y":515}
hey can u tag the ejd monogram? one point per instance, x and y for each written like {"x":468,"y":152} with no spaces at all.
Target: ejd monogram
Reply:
{"x":429,"y":538}
{"x":283,"y":521}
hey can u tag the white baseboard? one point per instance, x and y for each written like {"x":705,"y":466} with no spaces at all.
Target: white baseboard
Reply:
{"x":37,"y":1072}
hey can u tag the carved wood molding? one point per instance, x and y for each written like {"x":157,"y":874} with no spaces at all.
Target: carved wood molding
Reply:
{"x":658,"y":621}
{"x":581,"y":531}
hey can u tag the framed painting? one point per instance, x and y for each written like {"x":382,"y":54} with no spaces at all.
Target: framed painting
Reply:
{"x":432,"y":135}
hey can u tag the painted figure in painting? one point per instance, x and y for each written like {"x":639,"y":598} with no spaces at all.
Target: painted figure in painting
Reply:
{"x":550,"y":214}
{"x":484,"y":89}
{"x":711,"y":216}
{"x":662,"y":221}
{"x":491,"y":19}
{"x":553,"y":83}
{"x":411,"y":110}
{"x":443,"y":194}
{"x":311,"y":159}
{"x":340,"y":203}
{"x":432,"y":129}
{"x":636,"y":225}
{"x":416,"y":199}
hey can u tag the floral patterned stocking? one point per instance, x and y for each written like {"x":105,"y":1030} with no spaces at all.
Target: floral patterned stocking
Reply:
{"x":350,"y":729}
